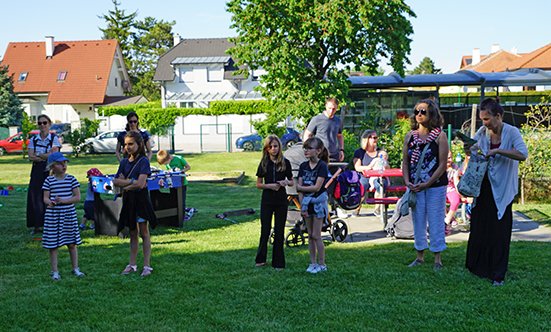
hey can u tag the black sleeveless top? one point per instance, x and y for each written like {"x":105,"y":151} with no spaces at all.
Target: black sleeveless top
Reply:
{"x":429,"y":166}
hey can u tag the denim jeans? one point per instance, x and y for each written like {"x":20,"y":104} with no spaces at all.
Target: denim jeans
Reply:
{"x":431,"y":209}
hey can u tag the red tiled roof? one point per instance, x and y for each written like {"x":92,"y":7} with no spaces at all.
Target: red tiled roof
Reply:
{"x":540,"y":58}
{"x":495,"y":62}
{"x":87,"y":63}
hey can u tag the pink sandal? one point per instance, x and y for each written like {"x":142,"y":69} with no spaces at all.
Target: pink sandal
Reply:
{"x":146,"y":271}
{"x":129,"y":269}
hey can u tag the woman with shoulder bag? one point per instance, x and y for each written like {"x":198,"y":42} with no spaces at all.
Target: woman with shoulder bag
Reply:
{"x":430,"y":186}
{"x":492,"y":217}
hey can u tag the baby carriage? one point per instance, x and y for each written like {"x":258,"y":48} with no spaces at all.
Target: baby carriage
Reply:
{"x":296,"y":237}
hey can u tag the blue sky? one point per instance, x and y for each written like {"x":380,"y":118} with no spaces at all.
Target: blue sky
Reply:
{"x":444,"y":30}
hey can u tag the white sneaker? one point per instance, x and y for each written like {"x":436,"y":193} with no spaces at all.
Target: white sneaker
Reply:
{"x":311,"y":268}
{"x":319,"y":268}
{"x":341,"y":213}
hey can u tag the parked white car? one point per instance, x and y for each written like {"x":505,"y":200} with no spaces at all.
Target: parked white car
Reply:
{"x":105,"y":142}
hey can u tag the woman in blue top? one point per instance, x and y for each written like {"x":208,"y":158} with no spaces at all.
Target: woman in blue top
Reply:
{"x":137,"y":208}
{"x":132,"y":125}
{"x":432,"y":183}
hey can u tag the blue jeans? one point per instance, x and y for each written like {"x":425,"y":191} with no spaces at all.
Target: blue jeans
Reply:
{"x":431,"y":209}
{"x":377,"y":183}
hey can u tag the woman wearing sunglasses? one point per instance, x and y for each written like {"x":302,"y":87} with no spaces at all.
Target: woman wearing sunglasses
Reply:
{"x":430,"y":186}
{"x":364,"y":160}
{"x":39,"y":149}
{"x":132,"y":125}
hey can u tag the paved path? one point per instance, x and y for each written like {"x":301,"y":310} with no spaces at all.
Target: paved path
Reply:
{"x":368,"y":228}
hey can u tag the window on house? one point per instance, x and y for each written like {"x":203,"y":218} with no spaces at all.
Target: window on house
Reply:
{"x":115,"y":82}
{"x":23,"y":76}
{"x":186,"y":75}
{"x":62,"y":75}
{"x":215,"y":73}
{"x":186,"y":104}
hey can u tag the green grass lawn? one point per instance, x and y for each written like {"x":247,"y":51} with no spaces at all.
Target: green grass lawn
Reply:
{"x":204,"y":278}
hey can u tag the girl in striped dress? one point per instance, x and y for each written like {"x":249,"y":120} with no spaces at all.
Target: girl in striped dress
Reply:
{"x":61,"y":191}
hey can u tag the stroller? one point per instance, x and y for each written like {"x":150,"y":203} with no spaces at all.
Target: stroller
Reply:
{"x":296,"y":237}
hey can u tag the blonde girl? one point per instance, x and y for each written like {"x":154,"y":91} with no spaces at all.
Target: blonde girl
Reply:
{"x":313,"y":199}
{"x":273,"y":175}
{"x":61,"y":191}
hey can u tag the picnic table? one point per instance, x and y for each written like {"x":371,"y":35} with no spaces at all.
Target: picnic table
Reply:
{"x":390,"y":172}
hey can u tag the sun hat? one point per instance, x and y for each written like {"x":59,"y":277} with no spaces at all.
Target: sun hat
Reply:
{"x":93,"y":172}
{"x":56,"y":156}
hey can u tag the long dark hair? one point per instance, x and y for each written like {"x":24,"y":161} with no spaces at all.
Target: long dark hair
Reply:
{"x":130,"y":116}
{"x":279,"y":163}
{"x":315,"y":142}
{"x":139,"y":141}
{"x":435,"y":117}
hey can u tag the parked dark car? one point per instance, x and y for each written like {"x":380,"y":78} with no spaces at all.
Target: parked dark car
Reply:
{"x":61,"y":130}
{"x":254,"y":141}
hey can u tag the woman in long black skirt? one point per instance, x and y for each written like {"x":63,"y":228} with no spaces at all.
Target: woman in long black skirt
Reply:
{"x":39,"y":149}
{"x":492,"y":217}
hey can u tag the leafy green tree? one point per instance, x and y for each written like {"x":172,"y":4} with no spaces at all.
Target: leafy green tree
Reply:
{"x":119,"y":26}
{"x":142,"y":43}
{"x":11,"y":112}
{"x":306,"y":45}
{"x":426,"y":67}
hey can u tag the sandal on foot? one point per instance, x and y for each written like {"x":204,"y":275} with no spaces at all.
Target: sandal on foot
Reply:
{"x":437,"y":266}
{"x":416,"y":262}
{"x":146,"y":271}
{"x":78,"y":273}
{"x":260,"y":264}
{"x":129,"y":269}
{"x":55,"y":275}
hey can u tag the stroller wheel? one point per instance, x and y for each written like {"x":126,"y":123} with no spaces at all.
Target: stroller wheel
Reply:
{"x":271,"y":238}
{"x":294,"y":239}
{"x":339,"y":231}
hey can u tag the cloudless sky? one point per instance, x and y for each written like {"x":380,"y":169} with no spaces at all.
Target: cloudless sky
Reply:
{"x":444,"y":30}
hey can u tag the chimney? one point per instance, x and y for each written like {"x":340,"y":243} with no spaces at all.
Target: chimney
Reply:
{"x":514,"y":50}
{"x":476,"y":56}
{"x":495,"y":48}
{"x":49,"y":47}
{"x":177,"y":39}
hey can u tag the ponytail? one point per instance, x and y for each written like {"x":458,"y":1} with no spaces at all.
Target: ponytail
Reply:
{"x":324,"y":155}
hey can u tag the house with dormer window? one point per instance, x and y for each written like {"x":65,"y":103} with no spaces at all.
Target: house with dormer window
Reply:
{"x":195,"y":72}
{"x":67,"y":80}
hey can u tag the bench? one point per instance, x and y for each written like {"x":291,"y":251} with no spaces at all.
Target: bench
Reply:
{"x":384,"y":201}
{"x":390,"y":188}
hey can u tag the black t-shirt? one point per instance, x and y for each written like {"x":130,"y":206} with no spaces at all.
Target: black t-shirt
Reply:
{"x":272,"y":176}
{"x":310,"y":176}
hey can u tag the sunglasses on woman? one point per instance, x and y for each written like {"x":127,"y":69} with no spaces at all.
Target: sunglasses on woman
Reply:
{"x":42,"y":123}
{"x":422,"y":111}
{"x":133,"y":121}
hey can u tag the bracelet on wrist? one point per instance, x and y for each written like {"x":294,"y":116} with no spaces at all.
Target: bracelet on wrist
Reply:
{"x":131,"y":181}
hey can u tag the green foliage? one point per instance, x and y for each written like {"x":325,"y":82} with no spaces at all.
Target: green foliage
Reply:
{"x":11,"y":112}
{"x":119,"y":26}
{"x":426,"y":67}
{"x":351,"y":143}
{"x":26,"y":126}
{"x":78,"y":136}
{"x":537,"y":137}
{"x":154,"y":118}
{"x":142,"y":43}
{"x":306,"y":47}
{"x":393,"y":142}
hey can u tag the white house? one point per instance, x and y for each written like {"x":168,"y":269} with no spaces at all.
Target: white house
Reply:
{"x":197,"y":71}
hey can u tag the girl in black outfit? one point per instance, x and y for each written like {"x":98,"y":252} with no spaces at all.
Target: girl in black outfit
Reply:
{"x":276,"y":173}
